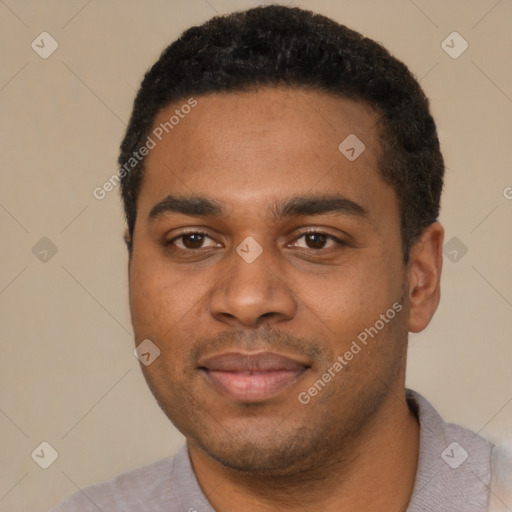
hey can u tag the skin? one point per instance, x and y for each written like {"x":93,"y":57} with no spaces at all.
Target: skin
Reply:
{"x":303,"y":297}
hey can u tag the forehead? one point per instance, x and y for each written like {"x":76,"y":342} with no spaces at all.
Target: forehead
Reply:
{"x":253,"y":147}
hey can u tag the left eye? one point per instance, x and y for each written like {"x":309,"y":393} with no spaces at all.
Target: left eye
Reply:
{"x":317,"y":238}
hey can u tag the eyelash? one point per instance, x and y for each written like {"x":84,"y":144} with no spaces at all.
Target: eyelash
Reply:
{"x":309,"y":232}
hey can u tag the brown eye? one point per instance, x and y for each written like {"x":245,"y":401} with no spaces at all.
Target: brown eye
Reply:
{"x":189,"y":241}
{"x":193,"y":240}
{"x":316,"y":240}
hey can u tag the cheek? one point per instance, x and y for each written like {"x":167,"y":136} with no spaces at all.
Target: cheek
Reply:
{"x":159,"y":297}
{"x":354,"y":297}
{"x":163,"y":305}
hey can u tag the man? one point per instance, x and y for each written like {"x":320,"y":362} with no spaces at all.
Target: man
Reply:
{"x":281,"y":178}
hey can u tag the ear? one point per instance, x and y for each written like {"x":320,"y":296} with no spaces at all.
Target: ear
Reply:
{"x":128,"y":242}
{"x":129,"y":245}
{"x":424,"y":273}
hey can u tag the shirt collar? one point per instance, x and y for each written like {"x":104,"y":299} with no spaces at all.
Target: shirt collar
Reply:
{"x":453,"y":470}
{"x":453,"y":466}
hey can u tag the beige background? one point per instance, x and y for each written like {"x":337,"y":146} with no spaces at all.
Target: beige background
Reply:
{"x":67,"y":370}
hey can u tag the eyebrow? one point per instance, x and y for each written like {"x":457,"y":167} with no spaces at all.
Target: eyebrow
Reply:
{"x":200,"y":206}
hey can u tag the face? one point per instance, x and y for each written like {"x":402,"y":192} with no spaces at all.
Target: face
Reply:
{"x":267,"y":268}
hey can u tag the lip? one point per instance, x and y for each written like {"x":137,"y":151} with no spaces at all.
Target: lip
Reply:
{"x":251,"y":377}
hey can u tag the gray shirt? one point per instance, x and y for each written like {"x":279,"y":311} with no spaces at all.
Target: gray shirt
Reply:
{"x":453,"y":475}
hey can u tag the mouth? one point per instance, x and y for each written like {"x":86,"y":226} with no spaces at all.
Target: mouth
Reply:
{"x":251,"y":377}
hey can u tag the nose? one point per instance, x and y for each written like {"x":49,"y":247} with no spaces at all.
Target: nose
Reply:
{"x":249,"y":294}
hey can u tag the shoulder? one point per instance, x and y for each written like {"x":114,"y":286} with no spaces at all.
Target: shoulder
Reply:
{"x":454,"y":462}
{"x":501,"y":476}
{"x":130,"y":490}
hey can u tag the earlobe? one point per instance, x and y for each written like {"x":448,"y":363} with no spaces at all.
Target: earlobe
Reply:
{"x":129,"y":245}
{"x":127,"y":239}
{"x":425,"y":265}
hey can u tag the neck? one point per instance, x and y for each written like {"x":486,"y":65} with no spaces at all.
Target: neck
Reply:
{"x":374,"y":472}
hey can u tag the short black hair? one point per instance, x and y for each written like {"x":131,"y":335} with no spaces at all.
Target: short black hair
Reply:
{"x":291,"y":47}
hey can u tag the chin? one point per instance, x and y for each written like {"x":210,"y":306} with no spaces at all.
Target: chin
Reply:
{"x":276,"y":453}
